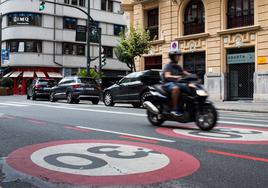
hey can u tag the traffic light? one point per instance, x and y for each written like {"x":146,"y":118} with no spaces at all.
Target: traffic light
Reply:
{"x":103,"y":60}
{"x":42,"y":5}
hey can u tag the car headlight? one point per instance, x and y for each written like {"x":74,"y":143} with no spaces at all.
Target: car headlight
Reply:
{"x":201,"y":93}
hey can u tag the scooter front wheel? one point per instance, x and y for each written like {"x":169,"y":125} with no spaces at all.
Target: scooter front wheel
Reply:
{"x":206,"y":119}
{"x":154,"y":119}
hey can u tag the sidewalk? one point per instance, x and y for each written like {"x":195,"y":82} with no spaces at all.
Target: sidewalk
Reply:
{"x":242,"y":106}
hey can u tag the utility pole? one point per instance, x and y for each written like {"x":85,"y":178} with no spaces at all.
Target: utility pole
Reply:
{"x":100,"y":50}
{"x":88,"y":39}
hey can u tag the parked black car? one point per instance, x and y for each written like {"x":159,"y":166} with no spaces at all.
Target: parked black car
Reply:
{"x":40,"y":88}
{"x":132,"y":89}
{"x":75,"y":89}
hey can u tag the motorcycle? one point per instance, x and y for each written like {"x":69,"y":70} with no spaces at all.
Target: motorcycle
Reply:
{"x":194,"y":104}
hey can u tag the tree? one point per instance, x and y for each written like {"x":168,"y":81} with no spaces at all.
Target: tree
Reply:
{"x":93,"y":73}
{"x":134,"y":43}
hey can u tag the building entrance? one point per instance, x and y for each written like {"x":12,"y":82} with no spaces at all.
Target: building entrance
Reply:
{"x":241,"y":68}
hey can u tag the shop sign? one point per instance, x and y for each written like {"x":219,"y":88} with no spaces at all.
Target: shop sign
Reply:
{"x":81,"y":33}
{"x":241,"y":58}
{"x":262,"y":60}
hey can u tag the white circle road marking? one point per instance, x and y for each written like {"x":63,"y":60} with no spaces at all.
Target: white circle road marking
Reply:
{"x":230,"y":133}
{"x":114,"y":167}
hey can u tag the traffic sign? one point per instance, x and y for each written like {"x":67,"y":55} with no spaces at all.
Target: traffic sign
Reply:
{"x":174,"y":45}
{"x":5,"y":54}
{"x":221,"y":134}
{"x":102,"y":162}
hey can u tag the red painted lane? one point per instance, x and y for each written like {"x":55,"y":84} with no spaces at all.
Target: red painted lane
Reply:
{"x":237,"y":155}
{"x":77,"y":129}
{"x":37,"y":122}
{"x":139,"y":139}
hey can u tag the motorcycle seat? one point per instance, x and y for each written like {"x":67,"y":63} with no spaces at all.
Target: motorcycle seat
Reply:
{"x":160,"y":88}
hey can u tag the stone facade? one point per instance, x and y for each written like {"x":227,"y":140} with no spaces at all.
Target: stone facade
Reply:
{"x":215,"y":42}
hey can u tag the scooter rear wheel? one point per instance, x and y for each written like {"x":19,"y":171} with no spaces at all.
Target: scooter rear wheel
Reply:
{"x":155,"y":120}
{"x":206,"y":119}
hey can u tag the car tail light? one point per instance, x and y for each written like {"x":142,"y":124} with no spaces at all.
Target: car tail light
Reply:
{"x":38,"y":87}
{"x":76,"y":86}
{"x":98,"y":87}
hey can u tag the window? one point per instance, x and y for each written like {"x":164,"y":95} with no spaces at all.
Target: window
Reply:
{"x":240,"y":13}
{"x":74,"y":2}
{"x":107,"y":5}
{"x":67,"y":1}
{"x":152,"y":22}
{"x":73,"y":49}
{"x":69,"y":23}
{"x":118,"y":29}
{"x":25,"y":46}
{"x":108,"y":51}
{"x":24,"y":19}
{"x":194,"y":18}
{"x":82,"y":3}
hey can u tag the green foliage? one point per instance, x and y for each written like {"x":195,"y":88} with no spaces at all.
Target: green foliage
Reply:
{"x":135,"y":42}
{"x":6,"y":82}
{"x":93,"y":73}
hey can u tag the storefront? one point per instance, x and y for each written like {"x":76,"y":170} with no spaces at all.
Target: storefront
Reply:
{"x":195,"y":63}
{"x":22,"y":77}
{"x":240,"y":76}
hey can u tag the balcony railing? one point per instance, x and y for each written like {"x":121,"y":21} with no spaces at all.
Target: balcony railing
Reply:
{"x":240,"y":18}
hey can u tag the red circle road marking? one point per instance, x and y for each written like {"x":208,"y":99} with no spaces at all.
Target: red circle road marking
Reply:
{"x":180,"y":165}
{"x":169,"y":132}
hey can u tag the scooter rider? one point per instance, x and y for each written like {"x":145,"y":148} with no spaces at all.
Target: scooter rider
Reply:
{"x":172,"y":73}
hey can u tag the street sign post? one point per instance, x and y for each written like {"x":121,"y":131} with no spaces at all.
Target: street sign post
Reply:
{"x":81,"y":33}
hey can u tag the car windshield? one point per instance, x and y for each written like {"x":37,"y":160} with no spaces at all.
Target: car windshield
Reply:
{"x":86,"y":81}
{"x":46,"y":82}
{"x":134,"y":75}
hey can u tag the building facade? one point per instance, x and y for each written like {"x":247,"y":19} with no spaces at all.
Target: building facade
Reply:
{"x":43,"y":43}
{"x":225,"y":42}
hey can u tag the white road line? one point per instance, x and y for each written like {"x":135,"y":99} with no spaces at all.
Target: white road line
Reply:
{"x":242,"y":123}
{"x":245,"y":119}
{"x":17,"y":105}
{"x":126,"y":134}
{"x":90,"y":110}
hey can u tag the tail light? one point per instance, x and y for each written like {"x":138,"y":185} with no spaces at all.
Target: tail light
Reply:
{"x":38,"y":87}
{"x":76,"y":86}
{"x":98,"y":87}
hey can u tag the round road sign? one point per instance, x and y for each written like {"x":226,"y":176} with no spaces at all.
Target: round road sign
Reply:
{"x":102,"y":162}
{"x":221,"y":134}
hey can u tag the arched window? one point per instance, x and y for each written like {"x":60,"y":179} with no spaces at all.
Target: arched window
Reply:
{"x":240,"y":13}
{"x":194,"y":18}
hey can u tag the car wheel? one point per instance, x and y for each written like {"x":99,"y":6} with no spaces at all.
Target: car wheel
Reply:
{"x":95,"y":101}
{"x":77,"y":101}
{"x":34,"y":97}
{"x":108,"y":99}
{"x":70,"y":99}
{"x":144,"y":96}
{"x":52,"y":97}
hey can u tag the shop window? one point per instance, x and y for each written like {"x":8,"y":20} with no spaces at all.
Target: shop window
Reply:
{"x":118,"y":29}
{"x":25,"y":46}
{"x":73,"y":49}
{"x":194,"y":18}
{"x":107,"y":5}
{"x":153,"y":23}
{"x":240,"y":13}
{"x":24,"y":19}
{"x":108,"y":51}
{"x":69,"y":23}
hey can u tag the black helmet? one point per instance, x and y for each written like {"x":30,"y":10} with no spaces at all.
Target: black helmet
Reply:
{"x":173,"y":53}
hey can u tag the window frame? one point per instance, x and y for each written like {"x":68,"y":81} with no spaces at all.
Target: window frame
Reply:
{"x":37,"y":45}
{"x":65,"y":25}
{"x":153,"y":16}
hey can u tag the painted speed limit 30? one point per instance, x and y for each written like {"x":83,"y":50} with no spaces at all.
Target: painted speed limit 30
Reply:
{"x":221,"y":134}
{"x":102,"y":162}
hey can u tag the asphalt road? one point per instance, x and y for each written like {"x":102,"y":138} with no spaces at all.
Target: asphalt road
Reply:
{"x":47,"y":145}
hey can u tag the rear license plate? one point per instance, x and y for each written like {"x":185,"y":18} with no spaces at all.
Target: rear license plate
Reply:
{"x":90,"y":89}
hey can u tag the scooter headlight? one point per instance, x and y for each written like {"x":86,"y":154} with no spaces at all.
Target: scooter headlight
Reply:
{"x":201,"y":93}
